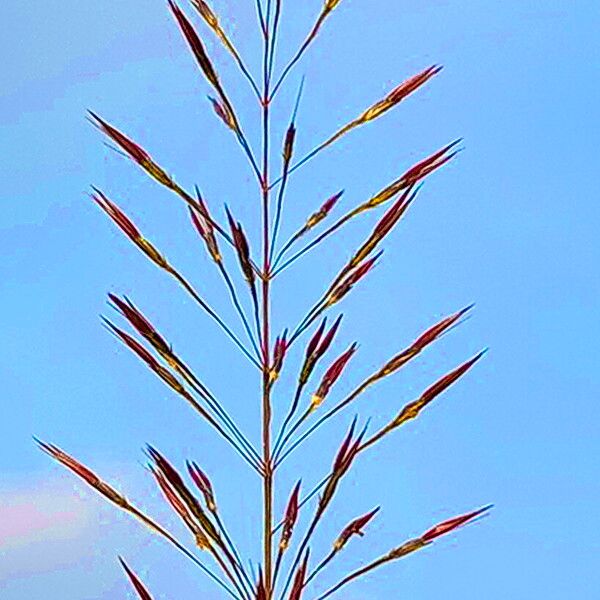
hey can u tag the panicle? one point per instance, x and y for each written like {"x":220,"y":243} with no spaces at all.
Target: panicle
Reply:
{"x":354,"y":528}
{"x":139,"y":587}
{"x":399,"y":93}
{"x":203,"y":483}
{"x":452,"y":524}
{"x":331,"y":376}
{"x":291,"y":516}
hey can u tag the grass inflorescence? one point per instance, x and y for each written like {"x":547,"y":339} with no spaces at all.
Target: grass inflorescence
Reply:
{"x":290,"y":565}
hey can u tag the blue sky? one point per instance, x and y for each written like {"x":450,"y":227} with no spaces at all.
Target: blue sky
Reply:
{"x":511,"y":225}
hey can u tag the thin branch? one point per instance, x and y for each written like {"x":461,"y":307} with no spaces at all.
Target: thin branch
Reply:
{"x":184,"y":283}
{"x":287,"y":157}
{"x":239,"y":309}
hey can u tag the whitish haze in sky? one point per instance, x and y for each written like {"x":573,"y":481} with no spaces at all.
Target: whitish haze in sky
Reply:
{"x":512,"y":225}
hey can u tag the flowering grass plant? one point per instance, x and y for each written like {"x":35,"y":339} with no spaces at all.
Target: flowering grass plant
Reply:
{"x":290,"y":563}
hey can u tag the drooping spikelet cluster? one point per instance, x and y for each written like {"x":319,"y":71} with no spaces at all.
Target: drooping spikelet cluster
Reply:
{"x":287,"y":569}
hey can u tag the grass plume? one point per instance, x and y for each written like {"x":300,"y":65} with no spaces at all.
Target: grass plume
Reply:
{"x":290,"y":563}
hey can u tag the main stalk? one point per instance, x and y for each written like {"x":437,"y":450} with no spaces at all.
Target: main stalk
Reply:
{"x":266,"y":344}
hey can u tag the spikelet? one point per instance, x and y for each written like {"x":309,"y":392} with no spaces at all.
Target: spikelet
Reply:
{"x":322,"y":213}
{"x":204,"y":62}
{"x":347,"y":283}
{"x":279,"y":352}
{"x":243,"y":251}
{"x":141,"y":324}
{"x":317,"y":348}
{"x":451,"y":524}
{"x":412,"y":410}
{"x":331,"y":376}
{"x":127,"y":226}
{"x":261,"y":592}
{"x":180,"y":508}
{"x":398,"y":94}
{"x":291,"y":516}
{"x":204,"y":485}
{"x":139,"y":587}
{"x":426,"y":338}
{"x":385,"y":225}
{"x":134,"y":151}
{"x":300,"y":579}
{"x":212,"y":21}
{"x":86,"y":474}
{"x":204,"y":226}
{"x":354,"y":528}
{"x":343,"y":460}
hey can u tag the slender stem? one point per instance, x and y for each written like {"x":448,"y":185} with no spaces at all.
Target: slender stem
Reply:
{"x":311,"y":36}
{"x":266,"y":383}
{"x":185,"y":284}
{"x":233,"y":549}
{"x":357,"y":392}
{"x":171,"y":539}
{"x":358,"y":573}
{"x":288,"y":418}
{"x":216,"y":406}
{"x":238,"y":308}
{"x":310,"y":245}
{"x":321,"y":566}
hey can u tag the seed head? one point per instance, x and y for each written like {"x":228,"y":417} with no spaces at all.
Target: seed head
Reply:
{"x":354,"y":528}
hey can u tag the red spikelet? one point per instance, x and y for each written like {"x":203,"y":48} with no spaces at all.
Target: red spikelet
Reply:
{"x":452,"y":524}
{"x":331,"y":376}
{"x":300,"y":579}
{"x":354,"y":528}
{"x":290,"y":518}
{"x":142,"y":592}
{"x":446,"y":381}
{"x":203,"y":484}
